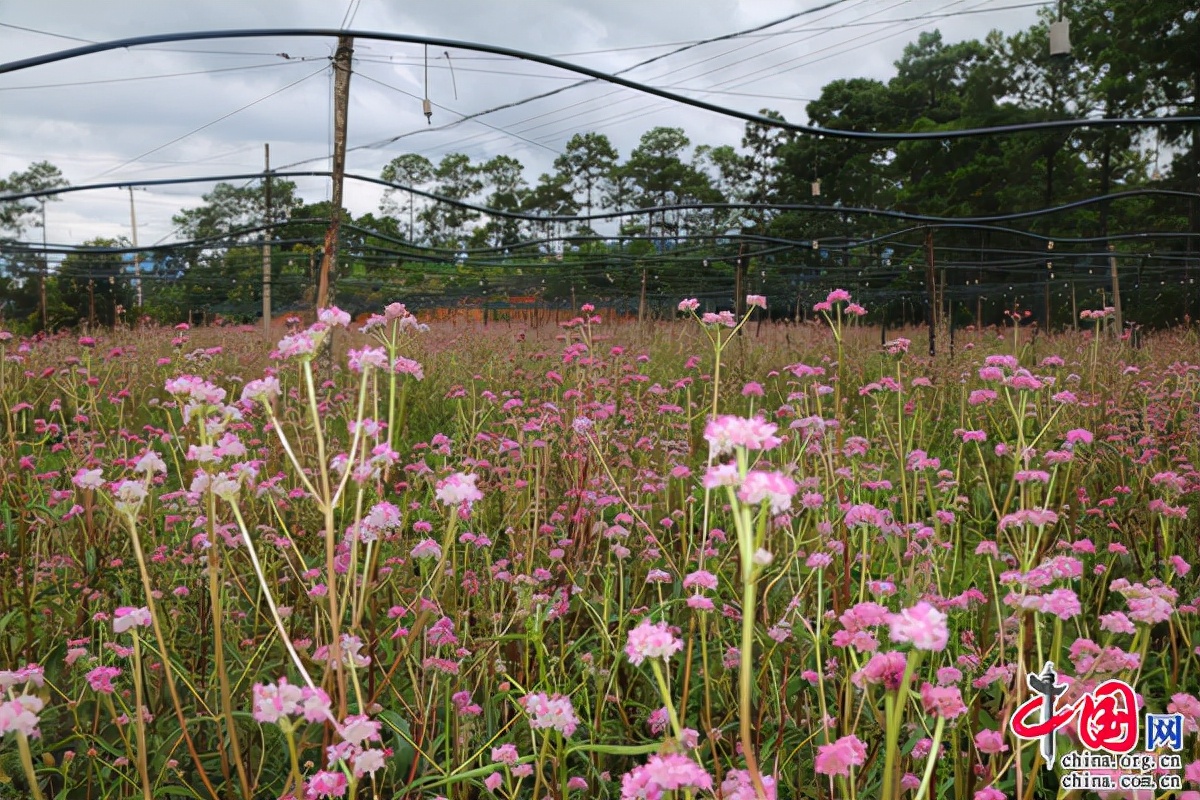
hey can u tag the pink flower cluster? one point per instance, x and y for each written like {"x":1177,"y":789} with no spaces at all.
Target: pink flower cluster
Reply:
{"x":725,"y":433}
{"x":282,"y":701}
{"x":652,"y":640}
{"x":661,"y":774}
{"x":553,"y":712}
{"x":458,"y":489}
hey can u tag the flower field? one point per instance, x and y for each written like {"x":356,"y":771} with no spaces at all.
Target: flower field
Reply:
{"x":710,"y":558}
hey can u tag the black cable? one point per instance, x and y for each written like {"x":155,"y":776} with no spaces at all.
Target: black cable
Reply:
{"x":898,"y":136}
{"x":735,"y":206}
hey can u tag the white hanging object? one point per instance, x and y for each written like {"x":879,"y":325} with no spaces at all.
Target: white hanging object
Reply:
{"x":816,"y":188}
{"x":1060,"y":38}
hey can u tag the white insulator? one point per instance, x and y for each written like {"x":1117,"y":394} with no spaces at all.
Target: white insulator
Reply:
{"x":1060,"y":38}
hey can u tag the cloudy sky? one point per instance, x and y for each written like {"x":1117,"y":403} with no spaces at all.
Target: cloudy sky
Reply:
{"x":206,"y":108}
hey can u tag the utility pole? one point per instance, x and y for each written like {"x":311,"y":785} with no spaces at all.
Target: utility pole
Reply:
{"x":341,"y":104}
{"x":45,"y":266}
{"x":137,"y":257}
{"x":1116,"y":290}
{"x":641,"y":298}
{"x":739,"y":284}
{"x":930,"y":291}
{"x":266,"y":251}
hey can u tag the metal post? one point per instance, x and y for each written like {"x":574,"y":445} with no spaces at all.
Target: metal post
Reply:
{"x":1116,"y":291}
{"x":137,"y":257}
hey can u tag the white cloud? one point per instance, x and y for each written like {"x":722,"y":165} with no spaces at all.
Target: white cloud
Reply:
{"x":88,"y":130}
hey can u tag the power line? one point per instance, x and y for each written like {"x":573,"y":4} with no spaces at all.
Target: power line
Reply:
{"x":153,"y":77}
{"x":207,"y":124}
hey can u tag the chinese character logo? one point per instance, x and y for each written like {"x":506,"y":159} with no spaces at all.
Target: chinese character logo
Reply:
{"x":1107,"y":715}
{"x":1164,"y":730}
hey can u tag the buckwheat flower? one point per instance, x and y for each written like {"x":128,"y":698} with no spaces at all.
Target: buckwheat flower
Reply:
{"x":359,"y":729}
{"x":922,"y":625}
{"x":720,"y":475}
{"x":839,"y":757}
{"x":367,"y":762}
{"x":128,"y":496}
{"x":701,"y":578}
{"x":406,"y":366}
{"x":427,"y":548}
{"x":492,"y":782}
{"x":942,"y":701}
{"x":689,"y":305}
{"x":505,"y":754}
{"x":738,"y":785}
{"x":725,"y":433}
{"x":20,"y":715}
{"x":88,"y":478}
{"x":723,"y":318}
{"x":661,"y":774}
{"x":127,"y":617}
{"x":100,"y":679}
{"x":885,"y":668}
{"x":838,"y":296}
{"x":263,"y":390}
{"x":333,"y":316}
{"x":551,"y":712}
{"x":990,"y":742}
{"x":457,"y":489}
{"x":772,"y":487}
{"x":756,"y":300}
{"x":651,"y":640}
{"x":327,"y":783}
{"x":1079,"y":436}
{"x":271,"y":703}
{"x":373,"y":357}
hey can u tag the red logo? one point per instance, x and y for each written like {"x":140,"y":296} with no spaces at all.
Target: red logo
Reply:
{"x":1107,"y":715}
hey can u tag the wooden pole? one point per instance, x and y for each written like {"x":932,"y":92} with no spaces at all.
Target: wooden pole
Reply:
{"x":266,"y":248}
{"x":1116,"y":291}
{"x":930,"y":291}
{"x":341,"y":104}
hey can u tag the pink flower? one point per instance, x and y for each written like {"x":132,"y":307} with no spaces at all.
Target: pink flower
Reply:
{"x":942,"y":701}
{"x":333,"y":316}
{"x":728,"y":432}
{"x":838,"y":758}
{"x":739,"y":786}
{"x":505,"y":754}
{"x":126,"y":617}
{"x":756,"y":300}
{"x":689,"y":305}
{"x":883,"y":668}
{"x":88,"y":479}
{"x":20,"y":715}
{"x":1079,"y":436}
{"x":327,"y":784}
{"x":493,"y":781}
{"x":652,"y":640}
{"x":923,"y":625}
{"x":457,"y":489}
{"x":100,"y":679}
{"x":670,"y":773}
{"x":838,"y":296}
{"x":773,"y":487}
{"x":987,"y":741}
{"x":551,"y":712}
